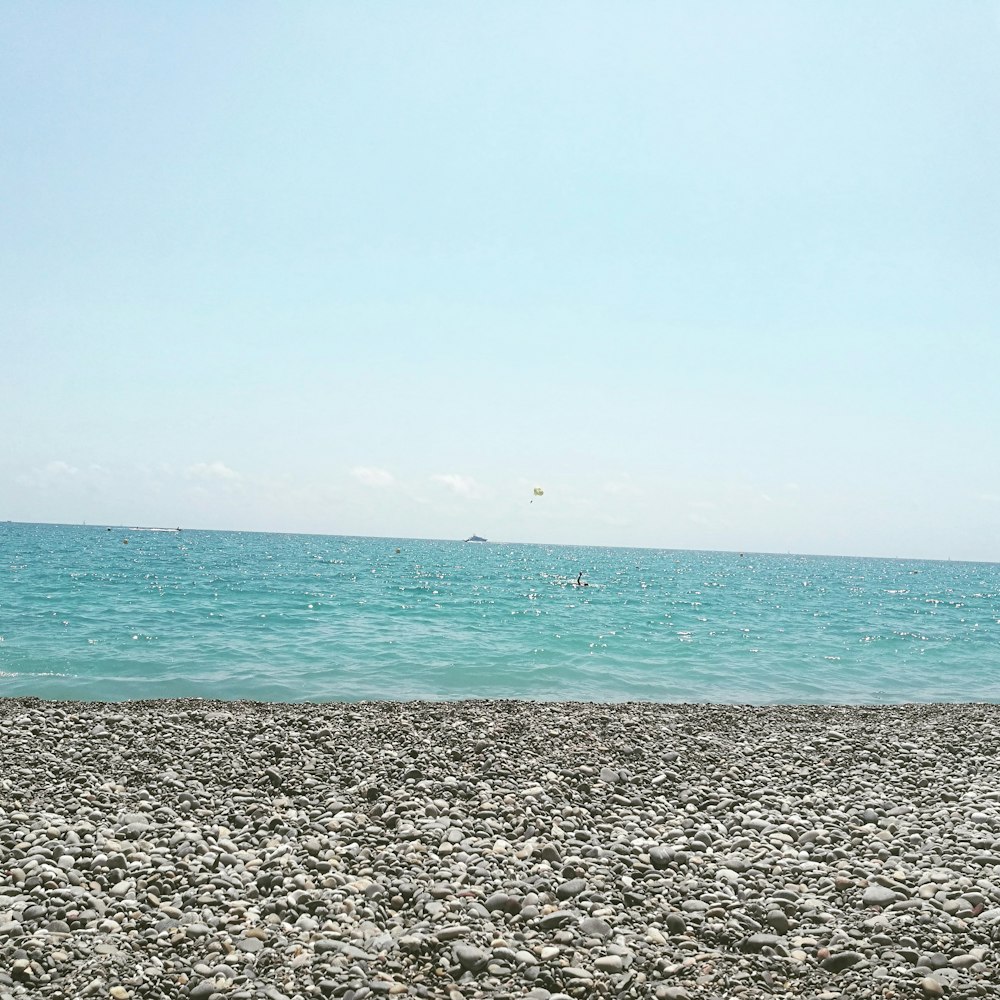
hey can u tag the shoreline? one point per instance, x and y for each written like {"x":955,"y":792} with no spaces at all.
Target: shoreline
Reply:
{"x":242,"y":850}
{"x":202,"y":701}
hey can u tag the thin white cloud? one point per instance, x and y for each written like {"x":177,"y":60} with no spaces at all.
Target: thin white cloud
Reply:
{"x":371,"y":476}
{"x":463,"y":486}
{"x":52,"y":472}
{"x":211,"y":470}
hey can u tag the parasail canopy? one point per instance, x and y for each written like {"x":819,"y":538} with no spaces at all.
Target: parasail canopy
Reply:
{"x":538,"y":491}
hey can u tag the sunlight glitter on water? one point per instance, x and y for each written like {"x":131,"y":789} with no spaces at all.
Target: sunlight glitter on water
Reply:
{"x":296,"y":617}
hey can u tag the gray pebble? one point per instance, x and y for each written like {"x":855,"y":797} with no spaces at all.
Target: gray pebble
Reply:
{"x":567,"y":890}
{"x":878,"y":895}
{"x":367,"y":850}
{"x":842,"y":960}
{"x":595,"y":927}
{"x":469,"y":958}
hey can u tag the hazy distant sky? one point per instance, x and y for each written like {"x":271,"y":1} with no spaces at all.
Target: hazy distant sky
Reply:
{"x":714,"y":275}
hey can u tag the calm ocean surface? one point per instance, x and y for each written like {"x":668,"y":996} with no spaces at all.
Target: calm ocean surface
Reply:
{"x":297,"y":617}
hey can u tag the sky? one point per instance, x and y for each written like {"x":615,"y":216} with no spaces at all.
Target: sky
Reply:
{"x":715,"y":275}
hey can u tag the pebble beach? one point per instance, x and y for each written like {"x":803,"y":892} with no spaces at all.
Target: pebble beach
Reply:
{"x":219,"y":850}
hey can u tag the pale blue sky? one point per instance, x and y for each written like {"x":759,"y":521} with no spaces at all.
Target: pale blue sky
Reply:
{"x":715,"y":275}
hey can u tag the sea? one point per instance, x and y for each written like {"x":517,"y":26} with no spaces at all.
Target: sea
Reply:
{"x":121,"y":613}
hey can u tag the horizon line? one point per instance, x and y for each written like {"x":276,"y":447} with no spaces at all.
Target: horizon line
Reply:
{"x":420,"y":538}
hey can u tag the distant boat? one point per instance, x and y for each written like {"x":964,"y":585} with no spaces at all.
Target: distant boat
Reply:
{"x":475,"y":538}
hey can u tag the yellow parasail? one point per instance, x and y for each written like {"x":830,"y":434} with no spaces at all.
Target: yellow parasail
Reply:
{"x":538,"y":491}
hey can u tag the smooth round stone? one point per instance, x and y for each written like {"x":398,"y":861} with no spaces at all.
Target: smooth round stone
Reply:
{"x":609,"y":963}
{"x":842,"y":960}
{"x":551,"y":853}
{"x":451,"y":932}
{"x":934,"y":960}
{"x":694,"y":906}
{"x":469,"y":958}
{"x":661,"y":857}
{"x":595,"y":927}
{"x":962,"y":961}
{"x":571,"y":888}
{"x":757,"y":942}
{"x":558,"y":918}
{"x":946,"y":976}
{"x":878,"y":895}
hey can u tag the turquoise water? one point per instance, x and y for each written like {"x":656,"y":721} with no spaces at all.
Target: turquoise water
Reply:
{"x":275,"y":617}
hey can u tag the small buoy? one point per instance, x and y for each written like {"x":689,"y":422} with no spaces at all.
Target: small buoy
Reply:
{"x":124,"y":541}
{"x":398,"y":551}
